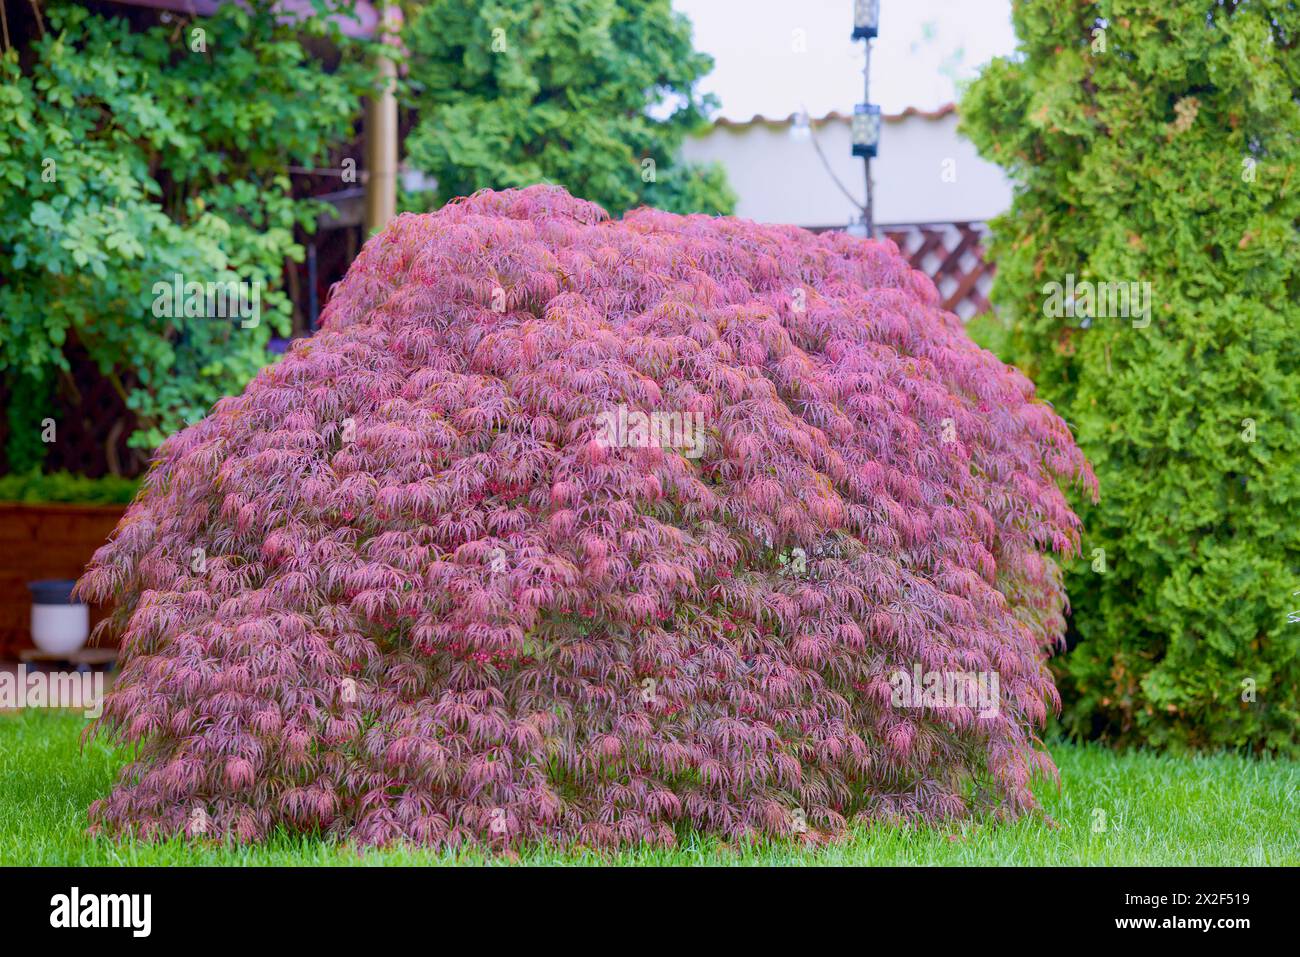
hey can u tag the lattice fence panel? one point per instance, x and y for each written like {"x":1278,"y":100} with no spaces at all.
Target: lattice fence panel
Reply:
{"x":951,"y":254}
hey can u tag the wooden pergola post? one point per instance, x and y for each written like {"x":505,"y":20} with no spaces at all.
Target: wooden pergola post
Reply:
{"x":381,"y":132}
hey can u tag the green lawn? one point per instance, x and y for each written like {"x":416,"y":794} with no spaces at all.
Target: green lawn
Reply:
{"x":1221,"y":810}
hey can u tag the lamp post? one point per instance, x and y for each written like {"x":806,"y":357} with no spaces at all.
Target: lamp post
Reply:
{"x":866,"y":115}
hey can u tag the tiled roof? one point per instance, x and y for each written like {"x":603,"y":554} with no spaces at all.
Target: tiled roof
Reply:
{"x":836,"y":116}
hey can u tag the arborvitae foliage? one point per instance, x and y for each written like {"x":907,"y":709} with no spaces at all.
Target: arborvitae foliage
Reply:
{"x":408,"y":585}
{"x":1155,"y":142}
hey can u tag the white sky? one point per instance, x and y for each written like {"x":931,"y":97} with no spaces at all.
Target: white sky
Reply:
{"x":923,"y":47}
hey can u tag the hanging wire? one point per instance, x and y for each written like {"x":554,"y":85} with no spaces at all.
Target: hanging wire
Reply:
{"x":826,"y":163}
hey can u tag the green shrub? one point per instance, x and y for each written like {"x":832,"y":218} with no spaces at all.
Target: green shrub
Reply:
{"x":129,"y":157}
{"x":64,"y":487}
{"x":1156,"y":142}
{"x":507,"y":94}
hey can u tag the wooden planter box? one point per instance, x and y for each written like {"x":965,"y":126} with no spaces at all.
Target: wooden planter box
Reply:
{"x":45,"y":541}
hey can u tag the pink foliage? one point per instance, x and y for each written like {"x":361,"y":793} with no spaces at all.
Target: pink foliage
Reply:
{"x":435,"y":603}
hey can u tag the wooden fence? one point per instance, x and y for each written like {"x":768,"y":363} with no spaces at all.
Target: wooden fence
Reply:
{"x":951,"y":254}
{"x":44,"y":541}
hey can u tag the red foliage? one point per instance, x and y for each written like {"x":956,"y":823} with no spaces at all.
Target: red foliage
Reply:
{"x":435,"y":603}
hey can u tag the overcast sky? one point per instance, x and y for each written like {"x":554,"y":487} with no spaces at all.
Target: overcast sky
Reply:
{"x":764,"y":64}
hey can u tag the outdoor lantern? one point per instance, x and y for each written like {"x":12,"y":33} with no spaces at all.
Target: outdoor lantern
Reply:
{"x":60,"y":623}
{"x":866,"y":19}
{"x":866,"y":129}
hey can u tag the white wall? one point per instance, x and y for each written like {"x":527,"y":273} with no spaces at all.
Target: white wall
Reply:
{"x":779,"y":179}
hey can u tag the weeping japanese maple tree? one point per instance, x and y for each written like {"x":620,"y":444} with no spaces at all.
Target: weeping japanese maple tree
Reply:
{"x":595,"y":531}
